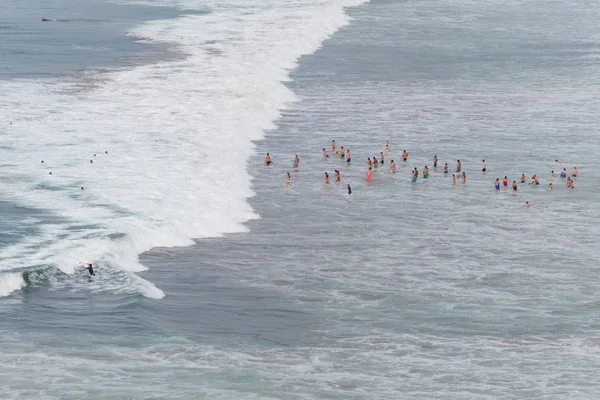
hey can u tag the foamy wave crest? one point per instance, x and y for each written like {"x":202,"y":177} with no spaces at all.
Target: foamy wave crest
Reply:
{"x":10,"y":282}
{"x":178,"y":135}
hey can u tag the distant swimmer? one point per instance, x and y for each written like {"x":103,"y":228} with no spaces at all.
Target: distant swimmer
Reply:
{"x":42,"y":161}
{"x":515,"y":186}
{"x":464,"y":178}
{"x":268,"y":160}
{"x":296,"y":161}
{"x":47,"y":20}
{"x":287,"y":178}
{"x":348,"y":157}
{"x":369,"y":163}
{"x":527,"y":205}
{"x":326,"y":179}
{"x":553,"y":175}
{"x":505,"y":181}
{"x":369,"y":176}
{"x":569,"y":183}
{"x":382,"y":159}
{"x":523,"y":179}
{"x":94,"y":154}
{"x":89,"y":268}
{"x":81,"y":187}
{"x":446,"y":168}
{"x":325,"y":155}
{"x":375,"y":162}
{"x":106,"y":152}
{"x":349,"y":189}
{"x":50,"y":173}
{"x":435,"y":161}
{"x":532,"y":180}
{"x":497,"y":184}
{"x":337,"y":153}
{"x":426,"y":173}
{"x":574,"y":172}
{"x":458,"y":166}
{"x":563,"y":173}
{"x":453,"y":179}
{"x":483,"y":166}
{"x":333,"y":146}
{"x":342,"y":153}
{"x":91,"y":161}
{"x":337,"y":175}
{"x":387,"y":146}
{"x":550,"y":186}
{"x":557,"y":161}
{"x":404,"y":155}
{"x":537,"y":180}
{"x":415,"y":174}
{"x":392,"y":167}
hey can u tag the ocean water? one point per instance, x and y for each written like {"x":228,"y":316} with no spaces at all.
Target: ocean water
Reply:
{"x":216,"y":280}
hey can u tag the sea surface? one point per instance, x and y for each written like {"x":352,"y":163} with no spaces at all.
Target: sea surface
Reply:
{"x":216,"y":280}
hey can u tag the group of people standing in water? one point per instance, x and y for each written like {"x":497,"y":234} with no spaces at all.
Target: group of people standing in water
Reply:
{"x":379,"y":161}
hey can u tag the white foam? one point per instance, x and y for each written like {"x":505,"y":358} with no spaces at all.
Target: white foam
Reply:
{"x":10,"y":282}
{"x":178,"y":135}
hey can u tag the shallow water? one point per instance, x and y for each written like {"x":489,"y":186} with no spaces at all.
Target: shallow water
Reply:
{"x":398,"y":291}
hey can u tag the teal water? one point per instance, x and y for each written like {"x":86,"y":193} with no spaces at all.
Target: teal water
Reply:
{"x":398,"y":291}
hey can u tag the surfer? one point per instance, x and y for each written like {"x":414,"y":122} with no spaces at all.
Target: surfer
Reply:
{"x":89,"y":268}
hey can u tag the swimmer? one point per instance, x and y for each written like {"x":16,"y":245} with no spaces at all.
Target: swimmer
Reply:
{"x":553,"y":175}
{"x":268,"y":160}
{"x":505,"y":181}
{"x":523,"y":179}
{"x":415,"y":174}
{"x":47,"y":20}
{"x":337,"y":153}
{"x":387,"y":146}
{"x":106,"y":152}
{"x":94,"y":155}
{"x":381,"y":153}
{"x":458,"y":165}
{"x":532,"y":181}
{"x":349,"y":189}
{"x":50,"y":173}
{"x":337,"y":176}
{"x":375,"y":162}
{"x":333,"y":146}
{"x":348,"y":158}
{"x":81,"y":187}
{"x":342,"y":153}
{"x":483,"y":166}
{"x":369,"y":163}
{"x":515,"y":186}
{"x":369,"y":175}
{"x":569,"y":183}
{"x":404,"y":155}
{"x":287,"y":178}
{"x":426,"y":173}
{"x":296,"y":161}
{"x":91,"y":161}
{"x":42,"y":161}
{"x":527,"y":205}
{"x":563,"y":173}
{"x":537,"y":180}
{"x":453,"y":179}
{"x":392,"y":167}
{"x":574,"y":172}
{"x":89,"y":268}
{"x":550,"y":186}
{"x":446,"y":168}
{"x":497,"y":184}
{"x":435,"y":161}
{"x":464,"y":178}
{"x":326,"y":179}
{"x":325,"y":155}
{"x":556,"y":161}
